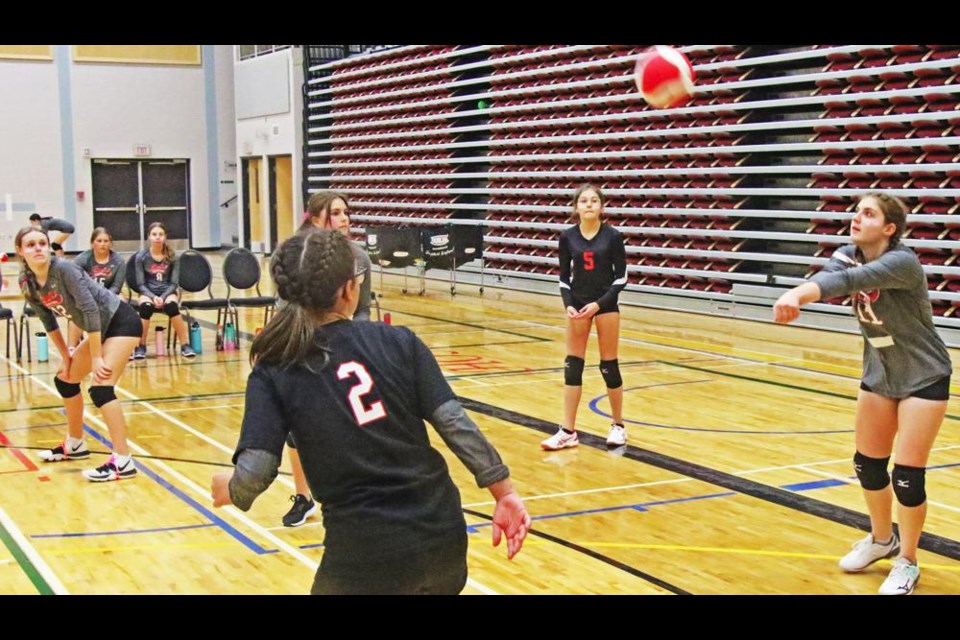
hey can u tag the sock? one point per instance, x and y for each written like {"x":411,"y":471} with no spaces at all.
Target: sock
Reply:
{"x":568,"y":431}
{"x":120,"y":460}
{"x":73,"y":443}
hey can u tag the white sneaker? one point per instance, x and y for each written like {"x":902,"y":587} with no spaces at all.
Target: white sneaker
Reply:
{"x":109,"y":470}
{"x":560,"y":440}
{"x":902,"y":579}
{"x":866,"y":552}
{"x":63,"y":451}
{"x":617,"y":436}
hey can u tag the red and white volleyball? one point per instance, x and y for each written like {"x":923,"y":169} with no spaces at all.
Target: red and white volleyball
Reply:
{"x":664,"y":77}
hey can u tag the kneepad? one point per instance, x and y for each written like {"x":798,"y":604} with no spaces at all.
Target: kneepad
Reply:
{"x":172,"y":309}
{"x":610,"y":370}
{"x":66,"y":389}
{"x":146,"y":310}
{"x":573,"y":371}
{"x":872,"y":472}
{"x":909,"y":483}
{"x":101,"y":395}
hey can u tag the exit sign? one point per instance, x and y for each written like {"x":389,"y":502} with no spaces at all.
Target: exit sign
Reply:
{"x":141,"y":150}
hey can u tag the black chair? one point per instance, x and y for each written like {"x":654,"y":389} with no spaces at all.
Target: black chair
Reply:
{"x":23,"y":331}
{"x":7,"y":315}
{"x":196,"y":274}
{"x":241,"y":270}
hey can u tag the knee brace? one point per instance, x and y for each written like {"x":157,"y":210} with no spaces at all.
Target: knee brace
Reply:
{"x":146,"y":310}
{"x":172,"y":309}
{"x":610,"y":370}
{"x":872,"y":472}
{"x":909,"y":483}
{"x":66,"y":389}
{"x":56,"y":246}
{"x":101,"y":395}
{"x":573,"y":371}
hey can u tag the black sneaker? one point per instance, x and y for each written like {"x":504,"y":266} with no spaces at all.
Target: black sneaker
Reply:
{"x":110,"y":471}
{"x":64,"y":452}
{"x":140,"y":353}
{"x":303,"y":507}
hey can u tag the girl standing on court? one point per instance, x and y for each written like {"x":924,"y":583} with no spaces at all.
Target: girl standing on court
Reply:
{"x":56,"y":287}
{"x":356,"y":395}
{"x":593,"y":272}
{"x":906,"y":379}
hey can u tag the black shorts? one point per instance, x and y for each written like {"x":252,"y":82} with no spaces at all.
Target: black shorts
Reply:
{"x":124,"y":323}
{"x":440,"y":569}
{"x":939,"y":390}
{"x":611,"y":307}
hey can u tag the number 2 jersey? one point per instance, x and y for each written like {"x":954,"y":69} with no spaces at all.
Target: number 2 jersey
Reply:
{"x":902,"y":351}
{"x":359,"y":427}
{"x":593,"y":270}
{"x":71,"y":293}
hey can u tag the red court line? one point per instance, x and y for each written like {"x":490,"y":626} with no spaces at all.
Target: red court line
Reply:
{"x":27,"y":462}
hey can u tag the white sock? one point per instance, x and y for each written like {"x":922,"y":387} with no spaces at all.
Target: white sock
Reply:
{"x":73,"y":443}
{"x":120,"y":460}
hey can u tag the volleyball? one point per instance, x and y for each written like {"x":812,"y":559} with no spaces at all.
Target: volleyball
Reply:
{"x":664,"y":77}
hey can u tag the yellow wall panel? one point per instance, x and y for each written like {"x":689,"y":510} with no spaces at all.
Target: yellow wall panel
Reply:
{"x":27,"y":51}
{"x":182,"y":54}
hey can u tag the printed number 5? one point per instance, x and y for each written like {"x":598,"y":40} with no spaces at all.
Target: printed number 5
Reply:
{"x":364,"y":415}
{"x":588,"y":260}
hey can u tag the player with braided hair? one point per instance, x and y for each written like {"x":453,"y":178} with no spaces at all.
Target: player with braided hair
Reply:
{"x":393,"y":519}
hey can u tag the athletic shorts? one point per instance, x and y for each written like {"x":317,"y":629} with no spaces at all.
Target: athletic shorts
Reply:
{"x":939,"y":390}
{"x":611,"y":307}
{"x":124,"y":323}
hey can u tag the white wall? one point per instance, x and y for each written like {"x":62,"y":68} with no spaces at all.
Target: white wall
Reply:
{"x":109,"y":108}
{"x":227,"y":152}
{"x":30,"y":148}
{"x":275,"y":134}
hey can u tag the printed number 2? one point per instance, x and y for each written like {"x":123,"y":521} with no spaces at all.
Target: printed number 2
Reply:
{"x":364,"y":415}
{"x":588,"y":260}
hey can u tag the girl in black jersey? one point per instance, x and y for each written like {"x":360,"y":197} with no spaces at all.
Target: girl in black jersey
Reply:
{"x":355,"y":396}
{"x":56,"y":287}
{"x":593,"y":272}
{"x":158,"y":277}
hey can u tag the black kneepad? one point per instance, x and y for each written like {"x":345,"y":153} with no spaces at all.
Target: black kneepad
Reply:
{"x":610,"y":370}
{"x":146,"y":310}
{"x":172,"y":309}
{"x":66,"y":389}
{"x":909,"y":483}
{"x":101,"y":395}
{"x":56,"y":246}
{"x":573,"y":371}
{"x":872,"y":472}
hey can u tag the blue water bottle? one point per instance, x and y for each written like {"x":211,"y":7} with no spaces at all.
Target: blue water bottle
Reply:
{"x":43,"y":348}
{"x":229,"y":337}
{"x":195,"y":341}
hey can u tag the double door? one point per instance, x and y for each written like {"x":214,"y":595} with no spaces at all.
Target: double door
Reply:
{"x":129,"y":195}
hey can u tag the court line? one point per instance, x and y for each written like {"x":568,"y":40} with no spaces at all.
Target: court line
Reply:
{"x":811,"y":506}
{"x":663,"y":584}
{"x":37,"y":570}
{"x":119,"y":533}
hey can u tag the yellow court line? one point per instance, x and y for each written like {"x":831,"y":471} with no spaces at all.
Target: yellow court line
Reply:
{"x":148,"y":547}
{"x":736,"y":551}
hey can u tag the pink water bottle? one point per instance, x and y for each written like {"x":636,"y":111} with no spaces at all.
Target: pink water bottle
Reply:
{"x":161,"y":343}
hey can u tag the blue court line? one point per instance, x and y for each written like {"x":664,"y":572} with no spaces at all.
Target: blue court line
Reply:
{"x":814,"y":484}
{"x":217,"y":520}
{"x":118,"y":533}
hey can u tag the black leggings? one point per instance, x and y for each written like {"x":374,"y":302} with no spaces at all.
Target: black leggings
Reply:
{"x":438,"y":570}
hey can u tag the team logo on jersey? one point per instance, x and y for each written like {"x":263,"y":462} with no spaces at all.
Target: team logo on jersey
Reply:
{"x":52,"y":299}
{"x":158,"y":268}
{"x":101,"y":271}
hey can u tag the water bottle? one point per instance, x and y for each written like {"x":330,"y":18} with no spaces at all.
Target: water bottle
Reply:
{"x":219,"y":337}
{"x":43,"y":347}
{"x":161,"y":343}
{"x":229,"y":337}
{"x":387,"y":319}
{"x":195,"y":341}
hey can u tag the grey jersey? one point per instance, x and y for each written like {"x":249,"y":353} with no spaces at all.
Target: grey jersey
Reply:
{"x":363,"y":262}
{"x":109,"y":274}
{"x":71,"y":293}
{"x":154,"y":278}
{"x":56,"y":224}
{"x":902,"y":351}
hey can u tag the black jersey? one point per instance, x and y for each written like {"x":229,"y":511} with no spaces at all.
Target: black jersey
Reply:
{"x":593,"y":270}
{"x":109,"y":275}
{"x":359,"y":427}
